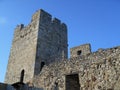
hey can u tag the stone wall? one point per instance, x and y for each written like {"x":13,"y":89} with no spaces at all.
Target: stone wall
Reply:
{"x":10,"y":87}
{"x":99,"y":70}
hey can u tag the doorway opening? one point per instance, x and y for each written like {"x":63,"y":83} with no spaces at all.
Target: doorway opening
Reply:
{"x":72,"y":82}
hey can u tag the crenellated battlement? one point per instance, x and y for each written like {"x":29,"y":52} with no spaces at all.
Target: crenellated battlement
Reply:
{"x":22,"y":31}
{"x":40,"y":20}
{"x":56,"y":21}
{"x":20,"y":27}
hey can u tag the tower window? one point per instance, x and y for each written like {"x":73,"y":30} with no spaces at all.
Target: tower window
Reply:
{"x":79,"y":52}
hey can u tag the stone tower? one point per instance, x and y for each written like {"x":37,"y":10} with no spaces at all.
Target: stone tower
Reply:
{"x":40,"y":43}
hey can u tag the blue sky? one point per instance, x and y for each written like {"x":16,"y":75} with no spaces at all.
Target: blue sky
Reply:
{"x":89,"y":21}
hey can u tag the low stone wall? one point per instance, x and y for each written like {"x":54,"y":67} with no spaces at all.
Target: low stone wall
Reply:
{"x":9,"y":87}
{"x":6,"y":87}
{"x":99,"y":70}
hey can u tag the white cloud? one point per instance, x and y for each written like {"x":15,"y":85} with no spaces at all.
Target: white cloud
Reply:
{"x":3,"y":20}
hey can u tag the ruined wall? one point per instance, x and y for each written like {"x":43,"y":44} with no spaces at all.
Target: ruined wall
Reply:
{"x":42,"y":41}
{"x":96,"y":71}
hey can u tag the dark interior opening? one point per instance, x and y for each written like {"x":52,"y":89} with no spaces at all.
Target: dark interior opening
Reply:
{"x":79,"y":52}
{"x":22,"y":76}
{"x":56,"y":86}
{"x":42,"y":65}
{"x":72,"y":82}
{"x":19,"y":84}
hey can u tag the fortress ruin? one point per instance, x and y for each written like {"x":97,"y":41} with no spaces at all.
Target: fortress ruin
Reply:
{"x":39,"y":60}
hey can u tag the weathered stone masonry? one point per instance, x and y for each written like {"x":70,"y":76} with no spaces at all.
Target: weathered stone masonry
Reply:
{"x":40,"y":49}
{"x":99,"y":70}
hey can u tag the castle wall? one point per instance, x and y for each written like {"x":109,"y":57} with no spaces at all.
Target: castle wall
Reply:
{"x":97,"y":71}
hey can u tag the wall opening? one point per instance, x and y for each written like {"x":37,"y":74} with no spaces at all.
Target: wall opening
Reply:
{"x":42,"y":65}
{"x":72,"y":82}
{"x":79,"y":52}
{"x":22,"y":76}
{"x":56,"y":86}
